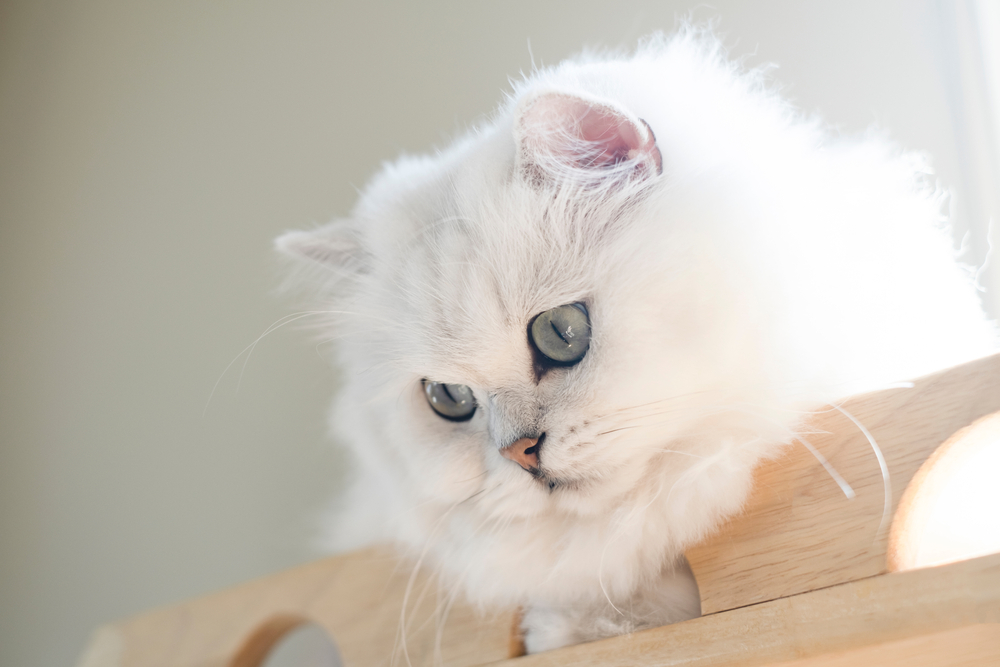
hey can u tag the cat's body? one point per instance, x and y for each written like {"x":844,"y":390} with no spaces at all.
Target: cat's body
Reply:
{"x":737,"y":268}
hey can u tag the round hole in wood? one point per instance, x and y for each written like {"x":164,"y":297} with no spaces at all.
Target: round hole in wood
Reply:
{"x":950,"y":511}
{"x":307,"y":645}
{"x":286,"y":640}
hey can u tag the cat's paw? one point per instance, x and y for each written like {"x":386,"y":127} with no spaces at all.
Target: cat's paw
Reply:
{"x":546,"y":628}
{"x":670,"y":598}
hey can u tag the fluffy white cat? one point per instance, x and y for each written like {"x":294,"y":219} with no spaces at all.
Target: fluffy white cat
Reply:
{"x":567,"y":339}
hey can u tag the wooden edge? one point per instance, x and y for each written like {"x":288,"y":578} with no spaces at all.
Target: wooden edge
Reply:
{"x":886,"y":608}
{"x":969,"y":646}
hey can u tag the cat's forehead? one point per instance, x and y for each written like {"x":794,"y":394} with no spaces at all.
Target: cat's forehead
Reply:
{"x":473,"y":273}
{"x":514,"y":251}
{"x":466,"y":218}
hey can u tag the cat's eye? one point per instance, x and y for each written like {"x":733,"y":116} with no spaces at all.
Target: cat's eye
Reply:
{"x":451,"y":401}
{"x":562,"y":334}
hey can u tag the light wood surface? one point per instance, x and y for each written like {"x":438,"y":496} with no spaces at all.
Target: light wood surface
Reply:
{"x":799,"y":532}
{"x":799,"y":577}
{"x":815,"y":628}
{"x":357,"y":599}
{"x":971,"y":646}
{"x":940,"y":617}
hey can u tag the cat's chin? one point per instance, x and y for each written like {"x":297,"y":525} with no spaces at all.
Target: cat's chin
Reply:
{"x":532,"y":496}
{"x":528,"y":497}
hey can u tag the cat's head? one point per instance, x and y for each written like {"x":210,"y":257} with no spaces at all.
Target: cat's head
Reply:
{"x":532,"y":319}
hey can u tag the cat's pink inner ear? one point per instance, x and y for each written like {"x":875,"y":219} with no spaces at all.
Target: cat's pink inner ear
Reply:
{"x":585,"y":134}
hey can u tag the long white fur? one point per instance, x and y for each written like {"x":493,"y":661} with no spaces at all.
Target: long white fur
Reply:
{"x":769,"y":270}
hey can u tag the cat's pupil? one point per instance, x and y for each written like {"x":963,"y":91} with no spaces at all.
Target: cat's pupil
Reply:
{"x":562,"y":335}
{"x":451,"y":401}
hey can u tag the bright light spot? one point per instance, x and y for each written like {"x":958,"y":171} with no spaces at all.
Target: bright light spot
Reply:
{"x":952,"y":513}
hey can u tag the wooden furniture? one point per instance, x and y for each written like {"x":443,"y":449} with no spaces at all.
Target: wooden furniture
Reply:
{"x":805,"y":576}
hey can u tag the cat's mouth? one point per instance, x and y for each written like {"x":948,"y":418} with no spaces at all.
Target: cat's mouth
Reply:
{"x":553,"y":483}
{"x":543,"y":478}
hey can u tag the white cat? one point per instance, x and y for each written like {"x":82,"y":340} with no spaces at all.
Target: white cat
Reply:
{"x":567,"y":340}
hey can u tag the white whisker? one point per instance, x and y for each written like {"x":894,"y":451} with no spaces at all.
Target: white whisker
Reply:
{"x":886,"y":482}
{"x":248,"y":350}
{"x":841,"y":482}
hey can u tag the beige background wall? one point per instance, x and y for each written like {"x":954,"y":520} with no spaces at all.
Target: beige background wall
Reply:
{"x":149,"y":152}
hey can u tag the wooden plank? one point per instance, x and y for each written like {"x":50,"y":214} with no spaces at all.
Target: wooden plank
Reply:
{"x":830,"y":623}
{"x":356,"y":598}
{"x":971,"y":646}
{"x":798,"y":531}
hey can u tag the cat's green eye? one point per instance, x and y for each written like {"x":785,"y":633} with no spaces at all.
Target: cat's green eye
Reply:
{"x":451,"y":401}
{"x":562,"y":334}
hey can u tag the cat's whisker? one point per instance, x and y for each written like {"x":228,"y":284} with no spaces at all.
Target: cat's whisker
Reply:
{"x":627,"y":427}
{"x":687,"y":410}
{"x":838,"y":479}
{"x":883,"y":466}
{"x":636,"y":512}
{"x":651,"y":411}
{"x":248,"y":350}
{"x":677,"y":451}
{"x":403,"y":628}
{"x":651,"y":403}
{"x":845,"y":487}
{"x":473,"y":495}
{"x":644,"y":415}
{"x":431,"y":585}
{"x":841,"y":482}
{"x":342,"y":335}
{"x":619,"y":531}
{"x":441,"y":614}
{"x":469,"y":479}
{"x":827,"y":466}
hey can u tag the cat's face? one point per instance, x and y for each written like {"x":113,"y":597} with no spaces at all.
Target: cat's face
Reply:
{"x":467,"y":276}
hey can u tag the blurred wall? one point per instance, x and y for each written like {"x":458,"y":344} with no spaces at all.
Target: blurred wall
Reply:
{"x":149,"y":152}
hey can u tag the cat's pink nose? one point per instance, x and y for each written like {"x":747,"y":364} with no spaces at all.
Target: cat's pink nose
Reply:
{"x":524,"y":452}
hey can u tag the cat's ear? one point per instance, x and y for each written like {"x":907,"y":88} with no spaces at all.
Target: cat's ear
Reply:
{"x":333,"y":246}
{"x":565,"y":135}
